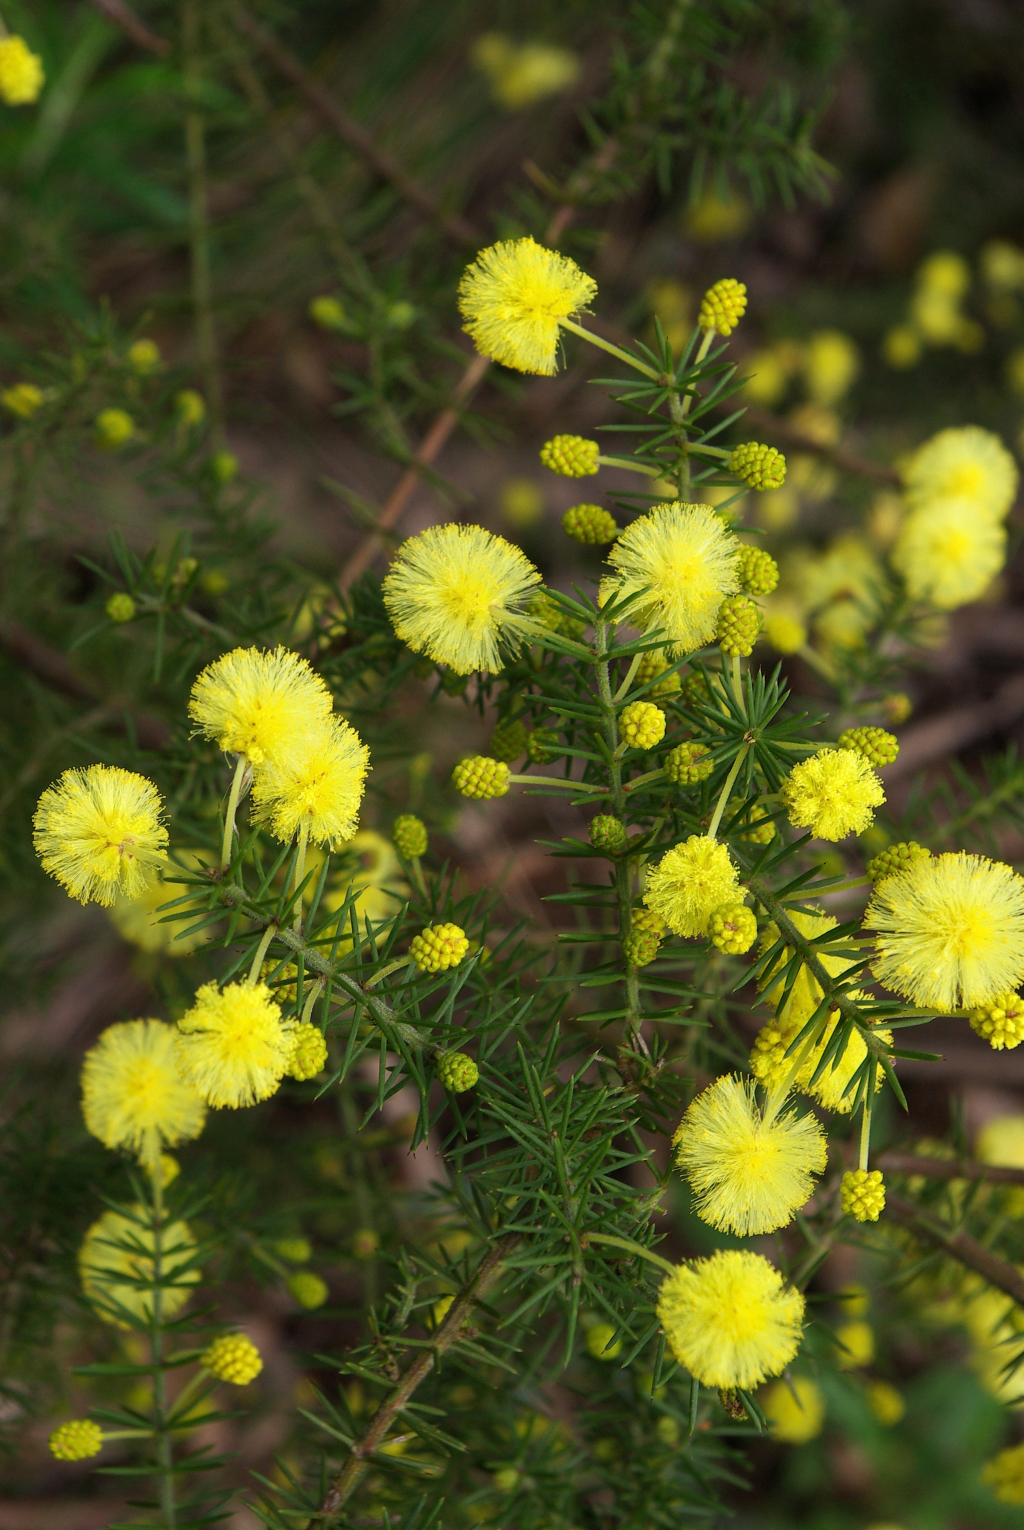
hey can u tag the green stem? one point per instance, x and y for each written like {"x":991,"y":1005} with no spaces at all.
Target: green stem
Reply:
{"x":316,"y":989}
{"x":632,"y":1248}
{"x":650,"y":775}
{"x":777,"y":1098}
{"x":723,"y":798}
{"x":630,"y":676}
{"x":613,"y":350}
{"x":232,"y":809}
{"x":300,"y":867}
{"x":378,"y":977}
{"x":865,"y":1120}
{"x":165,"y":1447}
{"x":261,"y":951}
{"x":572,"y":786}
{"x":630,"y":466}
{"x":623,"y":890}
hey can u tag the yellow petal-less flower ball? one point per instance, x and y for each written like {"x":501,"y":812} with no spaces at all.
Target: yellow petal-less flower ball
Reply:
{"x":723,"y":306}
{"x":327,"y":312}
{"x":831,"y":362}
{"x":895,"y":858}
{"x":409,"y":836}
{"x":748,"y":1175}
{"x":650,"y":667}
{"x":685,"y":561}
{"x":512,"y":298}
{"x":885,"y":1402}
{"x":641,"y":945}
{"x":232,"y":1358}
{"x":689,"y":883}
{"x":687,"y":764}
{"x":190,"y":407}
{"x":21,"y":72}
{"x":739,"y":623}
{"x":296,"y":1250}
{"x":453,"y":592}
{"x":833,"y":794}
{"x":757,"y":570}
{"x":786,"y":633}
{"x":601,"y":1341}
{"x":590,"y":525}
{"x":642,"y":724}
{"x":132,"y":1096}
{"x":733,"y":929}
{"x":76,"y":1440}
{"x":258,"y":703}
{"x":480,"y":777}
{"x":963,"y":463}
{"x":862,"y":1193}
{"x":439,"y":947}
{"x":730,"y":1320}
{"x":23,"y":400}
{"x":114,"y":429}
{"x":1000,"y":1021}
{"x":143,"y":356}
{"x":571,"y":456}
{"x":949,"y":931}
{"x":521,"y":74}
{"x":309,"y":1051}
{"x":457,"y":1072}
{"x":118,"y":1252}
{"x":98,"y":833}
{"x":759,"y":467}
{"x":1005,"y":1475}
{"x":876,"y":745}
{"x":948,"y":552}
{"x":856,"y":1345}
{"x":232,"y":1047}
{"x":308,"y":1289}
{"x":316,"y":787}
{"x":795,"y":1410}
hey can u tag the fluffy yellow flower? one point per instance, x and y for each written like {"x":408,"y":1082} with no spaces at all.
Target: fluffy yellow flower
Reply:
{"x":833,"y":794}
{"x":689,"y":883}
{"x":730,"y":1320}
{"x":949,"y":930}
{"x":1005,"y":1475}
{"x":318,"y":787}
{"x":232,"y":1047}
{"x":98,"y":833}
{"x":132,"y":1096}
{"x":138,"y":920}
{"x":117,"y":1253}
{"x":452,"y":591}
{"x":949,"y":552}
{"x":831,"y":362}
{"x":520,"y":74}
{"x":806,"y":992}
{"x":687,"y":561}
{"x":748,"y":1175}
{"x":964,"y":462}
{"x":21,"y":72}
{"x":514,"y":295}
{"x":770,"y":1064}
{"x":259,"y":704}
{"x":795,"y":1410}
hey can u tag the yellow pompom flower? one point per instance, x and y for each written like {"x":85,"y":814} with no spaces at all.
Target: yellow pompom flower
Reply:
{"x":642,"y":724}
{"x":309,"y":1051}
{"x":806,"y":992}
{"x":98,"y":833}
{"x":1000,"y":1021}
{"x":1005,"y":1475}
{"x":856,"y":1345}
{"x":862,"y":1194}
{"x":317,"y":788}
{"x":232,"y":1047}
{"x":76,"y":1440}
{"x":132,"y":1096}
{"x":23,"y":399}
{"x":748,"y":1175}
{"x":452,"y":593}
{"x":831,"y":362}
{"x":949,"y":931}
{"x":143,"y":356}
{"x":795,"y":1410}
{"x":689,"y":883}
{"x":963,"y":463}
{"x":21,"y":72}
{"x":233,"y":1358}
{"x":833,"y":794}
{"x":949,"y":552}
{"x":439,"y":947}
{"x":115,"y":1264}
{"x":513,"y":297}
{"x":730,"y":1320}
{"x":114,"y":429}
{"x":260,"y":704}
{"x":723,"y":306}
{"x":686,"y":561}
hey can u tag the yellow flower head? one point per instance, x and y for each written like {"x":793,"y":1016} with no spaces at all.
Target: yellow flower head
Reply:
{"x":452,"y":590}
{"x":1005,"y":1475}
{"x":234,"y":1358}
{"x":115,"y":1264}
{"x":521,"y":74}
{"x":748,"y":1176}
{"x":132,"y":1096}
{"x":1001,"y":1142}
{"x":833,"y":794}
{"x":21,"y":72}
{"x":831,"y":362}
{"x":23,"y":399}
{"x":964,"y":463}
{"x":512,"y":298}
{"x":259,"y":704}
{"x":114,"y":429}
{"x":687,"y":562}
{"x":723,"y":306}
{"x":949,"y":551}
{"x":232,"y":1047}
{"x":771,"y":1062}
{"x":318,"y":787}
{"x":795,"y":1410}
{"x":949,"y":931}
{"x":689,"y":883}
{"x":98,"y":833}
{"x":143,"y":356}
{"x":730,"y":1320}
{"x":76,"y":1440}
{"x":138,"y":920}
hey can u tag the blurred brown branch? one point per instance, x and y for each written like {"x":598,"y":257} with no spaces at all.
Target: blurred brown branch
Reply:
{"x":133,"y":26}
{"x":959,"y":1245}
{"x":948,"y":1168}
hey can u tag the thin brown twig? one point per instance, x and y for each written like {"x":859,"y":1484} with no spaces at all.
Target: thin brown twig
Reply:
{"x":133,"y":26}
{"x":947,"y":1168}
{"x":959,"y":1245}
{"x":452,"y":1329}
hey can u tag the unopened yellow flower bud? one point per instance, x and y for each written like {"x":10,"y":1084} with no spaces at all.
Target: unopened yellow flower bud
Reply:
{"x":439,"y":947}
{"x":480,"y":777}
{"x":687,"y":764}
{"x":876,"y":745}
{"x":308,"y":1289}
{"x":21,"y":72}
{"x":143,"y":356}
{"x":642,"y":724}
{"x":759,"y":467}
{"x":572,"y":456}
{"x":310,"y":1051}
{"x":590,"y":524}
{"x":457,"y":1072}
{"x":409,"y":836}
{"x":862,"y":1193}
{"x":723,"y":306}
{"x":114,"y":428}
{"x":895,"y":858}
{"x":327,"y":312}
{"x":508,"y":741}
{"x":733,"y":929}
{"x":757,"y":570}
{"x":120,"y":607}
{"x":23,"y":399}
{"x":190,"y":407}
{"x":1000,"y":1021}
{"x":650,"y":667}
{"x":739,"y":622}
{"x":232,"y":1358}
{"x":76,"y":1440}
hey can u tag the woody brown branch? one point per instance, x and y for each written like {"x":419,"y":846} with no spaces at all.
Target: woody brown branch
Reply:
{"x":958,"y":1245}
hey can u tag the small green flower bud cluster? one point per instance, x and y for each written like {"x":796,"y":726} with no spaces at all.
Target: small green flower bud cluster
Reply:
{"x":757,"y":570}
{"x":1000,"y":1021}
{"x":687,"y":764}
{"x":480,"y":777}
{"x":224,"y":467}
{"x":862,"y":1194}
{"x":696,"y":691}
{"x":120,"y":607}
{"x":739,"y":622}
{"x":308,"y":1289}
{"x":76,"y":1440}
{"x":590,"y":524}
{"x":640,"y":946}
{"x":572,"y":456}
{"x":650,"y":667}
{"x":542,"y":745}
{"x":409,"y":836}
{"x":508,"y":741}
{"x":457,"y":1072}
{"x":608,"y":834}
{"x":897,"y":706}
{"x":733,"y":928}
{"x":296,"y":1250}
{"x":642,"y":724}
{"x":114,"y":428}
{"x":438,"y":947}
{"x":723,"y":306}
{"x":762,"y":830}
{"x":896,"y":858}
{"x":877,"y":746}
{"x":309,"y":1053}
{"x":759,"y":467}
{"x":232,"y":1358}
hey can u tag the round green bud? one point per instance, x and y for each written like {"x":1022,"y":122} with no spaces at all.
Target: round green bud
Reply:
{"x":120,"y":607}
{"x":757,"y":570}
{"x":457,"y":1072}
{"x":739,"y":622}
{"x":508,"y":741}
{"x":896,"y":858}
{"x":542,"y":746}
{"x":409,"y":836}
{"x":608,"y":834}
{"x":759,"y":467}
{"x":687,"y":764}
{"x":480,"y":777}
{"x":590,"y":524}
{"x":876,"y":745}
{"x":308,"y":1289}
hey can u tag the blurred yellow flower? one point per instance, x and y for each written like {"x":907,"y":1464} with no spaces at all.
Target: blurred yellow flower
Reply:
{"x":521,"y":73}
{"x":795,"y":1410}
